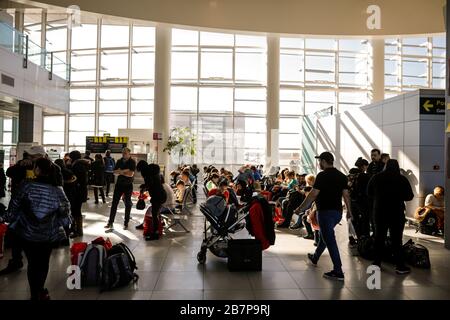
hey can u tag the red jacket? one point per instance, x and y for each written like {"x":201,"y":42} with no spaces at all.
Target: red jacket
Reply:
{"x":257,"y":222}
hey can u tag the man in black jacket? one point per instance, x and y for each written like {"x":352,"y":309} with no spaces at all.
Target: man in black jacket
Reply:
{"x":389,"y":190}
{"x":125,"y":168}
{"x":376,"y":166}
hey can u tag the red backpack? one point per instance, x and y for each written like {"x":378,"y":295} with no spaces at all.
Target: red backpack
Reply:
{"x":148,"y":226}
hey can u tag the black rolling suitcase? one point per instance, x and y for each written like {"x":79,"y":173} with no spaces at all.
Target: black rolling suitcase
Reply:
{"x":244,"y":255}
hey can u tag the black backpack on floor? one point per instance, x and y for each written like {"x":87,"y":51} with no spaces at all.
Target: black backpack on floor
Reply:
{"x":119,"y":268}
{"x":366,"y":247}
{"x":416,"y":255}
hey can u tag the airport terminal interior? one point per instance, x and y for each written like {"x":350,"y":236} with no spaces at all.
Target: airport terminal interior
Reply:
{"x":238,"y":113}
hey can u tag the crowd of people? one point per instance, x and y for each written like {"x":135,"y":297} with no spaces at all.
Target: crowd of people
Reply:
{"x":47,"y":197}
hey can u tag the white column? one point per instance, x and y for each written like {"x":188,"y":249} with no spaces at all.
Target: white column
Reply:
{"x":162,"y":90}
{"x":377,"y":73}
{"x":273,"y":100}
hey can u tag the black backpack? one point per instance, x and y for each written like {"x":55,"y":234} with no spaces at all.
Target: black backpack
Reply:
{"x":429,"y":225}
{"x":416,"y":255}
{"x":366,"y":247}
{"x":119,"y":268}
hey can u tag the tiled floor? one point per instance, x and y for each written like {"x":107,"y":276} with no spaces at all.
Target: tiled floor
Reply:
{"x":168,"y":269}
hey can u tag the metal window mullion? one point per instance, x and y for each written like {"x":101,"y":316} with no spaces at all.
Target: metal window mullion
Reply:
{"x":430,"y":62}
{"x":130,"y":71}
{"x":336,"y":77}
{"x":98,"y":75}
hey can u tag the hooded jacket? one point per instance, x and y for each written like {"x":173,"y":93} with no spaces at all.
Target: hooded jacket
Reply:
{"x":389,"y":190}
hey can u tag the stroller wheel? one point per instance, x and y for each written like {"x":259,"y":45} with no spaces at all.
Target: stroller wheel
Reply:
{"x":201,"y":257}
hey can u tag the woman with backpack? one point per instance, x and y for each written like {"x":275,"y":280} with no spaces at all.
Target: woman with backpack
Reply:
{"x":98,"y":177}
{"x":152,"y":178}
{"x":38,"y":213}
{"x":389,"y":190}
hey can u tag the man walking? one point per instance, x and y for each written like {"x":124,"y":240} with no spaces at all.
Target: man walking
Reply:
{"x":124,"y":168}
{"x":328,"y":190}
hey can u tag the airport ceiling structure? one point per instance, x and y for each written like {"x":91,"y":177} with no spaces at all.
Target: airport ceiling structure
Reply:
{"x":307,"y":17}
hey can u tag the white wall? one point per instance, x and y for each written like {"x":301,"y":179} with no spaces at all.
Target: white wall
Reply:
{"x":32,"y":84}
{"x":395,"y":126}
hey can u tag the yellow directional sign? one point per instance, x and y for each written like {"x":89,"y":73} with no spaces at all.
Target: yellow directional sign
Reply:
{"x":432,"y":105}
{"x":428,"y":106}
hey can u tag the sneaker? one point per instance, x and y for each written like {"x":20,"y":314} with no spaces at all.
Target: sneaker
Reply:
{"x":140,"y":227}
{"x":125,"y":226}
{"x":309,"y":237}
{"x":312,"y":258}
{"x":109,"y":226}
{"x":333,"y":275}
{"x":11,"y":267}
{"x":96,"y":202}
{"x":402,"y":270}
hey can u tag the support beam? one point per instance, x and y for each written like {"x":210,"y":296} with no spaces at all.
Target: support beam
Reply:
{"x":162,"y":91}
{"x":273,"y":101}
{"x":377,"y":70}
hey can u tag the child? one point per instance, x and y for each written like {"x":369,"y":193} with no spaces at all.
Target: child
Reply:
{"x":179,"y":192}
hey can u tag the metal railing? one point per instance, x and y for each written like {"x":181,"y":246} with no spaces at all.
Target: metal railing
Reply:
{"x":19,"y":43}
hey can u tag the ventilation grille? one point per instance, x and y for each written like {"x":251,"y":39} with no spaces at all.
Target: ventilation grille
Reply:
{"x":7,"y":80}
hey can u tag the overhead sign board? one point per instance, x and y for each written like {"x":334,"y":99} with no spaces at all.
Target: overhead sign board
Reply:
{"x":432,"y":105}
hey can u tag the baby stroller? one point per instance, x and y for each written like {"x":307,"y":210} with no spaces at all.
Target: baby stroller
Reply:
{"x":223,"y":220}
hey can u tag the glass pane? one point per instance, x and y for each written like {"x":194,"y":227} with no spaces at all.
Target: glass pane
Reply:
{"x":217,"y":65}
{"x":82,"y":94}
{"x":291,"y":108}
{"x":84,"y":36}
{"x":290,"y":141}
{"x":183,"y":98}
{"x":79,"y":138}
{"x":216,"y":100}
{"x":53,"y":138}
{"x":414,"y":68}
{"x":250,"y":66}
{"x":216,"y":39}
{"x":113,"y":106}
{"x":184,"y":65}
{"x":56,"y":37}
{"x":291,"y":68}
{"x":85,"y":123}
{"x":250,"y":94}
{"x":184,"y":37}
{"x":296,"y":43}
{"x":115,"y":36}
{"x":82,"y":107}
{"x":250,"y":107}
{"x":290,"y":125}
{"x":113,"y":93}
{"x":250,"y":41}
{"x":354,"y":45}
{"x":54,"y":123}
{"x":143,"y":36}
{"x":323,"y":44}
{"x":141,"y":122}
{"x":142,"y":106}
{"x":439,"y":41}
{"x":114,"y":65}
{"x":111,"y":124}
{"x":142,"y":93}
{"x":144,"y":65}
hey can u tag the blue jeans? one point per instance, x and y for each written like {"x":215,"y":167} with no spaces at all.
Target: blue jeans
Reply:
{"x":328,"y":219}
